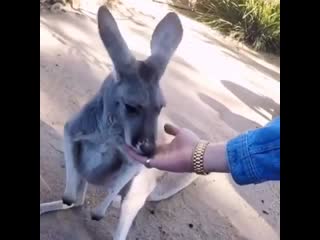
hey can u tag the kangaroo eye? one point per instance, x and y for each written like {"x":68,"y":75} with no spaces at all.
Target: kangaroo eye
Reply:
{"x":132,"y":109}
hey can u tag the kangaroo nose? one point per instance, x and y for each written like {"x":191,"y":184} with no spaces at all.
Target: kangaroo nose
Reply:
{"x":148,"y":149}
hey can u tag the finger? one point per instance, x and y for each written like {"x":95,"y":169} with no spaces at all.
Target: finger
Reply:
{"x":135,"y":156}
{"x":170,"y":129}
{"x":155,"y":162}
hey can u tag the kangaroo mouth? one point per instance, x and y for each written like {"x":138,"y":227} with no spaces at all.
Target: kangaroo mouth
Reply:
{"x":137,"y":148}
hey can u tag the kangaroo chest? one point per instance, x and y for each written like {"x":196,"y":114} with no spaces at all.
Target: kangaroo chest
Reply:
{"x":99,"y":157}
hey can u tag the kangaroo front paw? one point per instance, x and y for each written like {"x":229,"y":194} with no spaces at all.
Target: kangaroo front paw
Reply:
{"x":96,"y":216}
{"x":67,"y":200}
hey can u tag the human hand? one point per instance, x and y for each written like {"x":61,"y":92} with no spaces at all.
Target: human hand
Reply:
{"x":175,"y":156}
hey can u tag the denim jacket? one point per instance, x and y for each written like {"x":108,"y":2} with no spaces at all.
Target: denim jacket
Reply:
{"x":254,"y":156}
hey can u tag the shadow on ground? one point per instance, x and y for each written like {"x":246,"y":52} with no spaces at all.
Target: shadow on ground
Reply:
{"x":254,"y":101}
{"x":235,"y":121}
{"x":264,"y":205}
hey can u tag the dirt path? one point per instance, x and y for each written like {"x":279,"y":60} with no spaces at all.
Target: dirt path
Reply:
{"x":213,"y":87}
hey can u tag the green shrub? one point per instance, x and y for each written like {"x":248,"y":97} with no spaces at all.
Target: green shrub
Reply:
{"x":256,"y":22}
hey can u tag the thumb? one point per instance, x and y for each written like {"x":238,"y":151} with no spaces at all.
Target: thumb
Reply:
{"x":170,"y":129}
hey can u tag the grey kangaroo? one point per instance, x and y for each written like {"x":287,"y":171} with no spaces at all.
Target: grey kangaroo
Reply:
{"x":124,"y":111}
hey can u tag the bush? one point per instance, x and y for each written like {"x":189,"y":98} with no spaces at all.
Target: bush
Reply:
{"x":255,"y":22}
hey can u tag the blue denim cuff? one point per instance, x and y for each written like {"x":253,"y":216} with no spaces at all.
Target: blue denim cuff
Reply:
{"x":240,"y":163}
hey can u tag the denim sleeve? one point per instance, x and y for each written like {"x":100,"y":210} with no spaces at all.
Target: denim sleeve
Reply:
{"x":254,"y":156}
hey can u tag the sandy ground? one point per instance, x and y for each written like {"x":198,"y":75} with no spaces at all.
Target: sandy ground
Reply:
{"x":212,"y":86}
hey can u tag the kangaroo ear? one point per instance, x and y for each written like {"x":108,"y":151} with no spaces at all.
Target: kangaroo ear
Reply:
{"x":165,"y":40}
{"x":113,"y":41}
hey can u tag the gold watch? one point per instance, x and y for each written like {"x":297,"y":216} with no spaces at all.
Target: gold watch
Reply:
{"x":197,"y":158}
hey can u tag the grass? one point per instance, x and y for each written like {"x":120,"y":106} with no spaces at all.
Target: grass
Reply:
{"x":255,"y":22}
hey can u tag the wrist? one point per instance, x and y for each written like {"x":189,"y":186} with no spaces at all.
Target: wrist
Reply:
{"x":214,"y":159}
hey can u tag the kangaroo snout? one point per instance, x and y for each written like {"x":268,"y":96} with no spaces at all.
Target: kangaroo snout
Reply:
{"x":148,"y":149}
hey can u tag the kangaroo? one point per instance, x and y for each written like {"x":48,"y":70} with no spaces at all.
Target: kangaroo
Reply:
{"x":125,"y":110}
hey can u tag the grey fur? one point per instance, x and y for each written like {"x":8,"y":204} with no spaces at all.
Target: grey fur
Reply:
{"x":124,"y":111}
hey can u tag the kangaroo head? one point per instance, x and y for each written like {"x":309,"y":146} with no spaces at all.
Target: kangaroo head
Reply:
{"x":137,"y":97}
